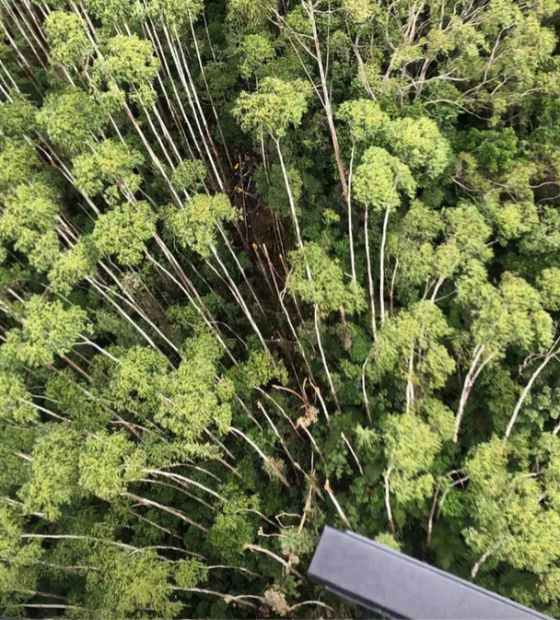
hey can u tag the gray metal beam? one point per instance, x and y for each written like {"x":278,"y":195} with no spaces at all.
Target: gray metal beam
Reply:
{"x":394,"y":585}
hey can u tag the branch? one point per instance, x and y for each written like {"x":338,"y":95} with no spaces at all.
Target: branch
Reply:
{"x":550,"y":355}
{"x":285,"y":564}
{"x":479,"y":563}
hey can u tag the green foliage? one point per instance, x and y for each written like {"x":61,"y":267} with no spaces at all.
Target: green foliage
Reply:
{"x":124,"y":232}
{"x":135,"y":383}
{"x":73,"y":266}
{"x":440,"y":418}
{"x":111,"y":11}
{"x":67,"y":37}
{"x":129,"y":61}
{"x":417,"y":331}
{"x":494,"y":150}
{"x":257,"y":50}
{"x":359,"y":11}
{"x":111,"y":163}
{"x":509,"y":315}
{"x":549,"y":285}
{"x":419,"y":144}
{"x":188,"y":174}
{"x":220,"y":79}
{"x":174,"y":12}
{"x":196,"y":398}
{"x":296,"y":544}
{"x":18,"y":574}
{"x":15,"y":400}
{"x":245,"y":14}
{"x":17,"y":117}
{"x":49,"y":329}
{"x":126,"y":583}
{"x":388,"y":540}
{"x":190,"y":573}
{"x":379,"y":178}
{"x":18,"y":164}
{"x":29,"y":220}
{"x":274,"y":108}
{"x":70,"y":119}
{"x":54,"y":472}
{"x":84,"y":410}
{"x":509,"y":519}
{"x":261,"y":369}
{"x":366,"y":121}
{"x":195,"y":226}
{"x":410,"y":449}
{"x":273,"y":188}
{"x":106,"y":462}
{"x":326,"y":286}
{"x":270,"y":266}
{"x":549,"y":451}
{"x":228,"y":535}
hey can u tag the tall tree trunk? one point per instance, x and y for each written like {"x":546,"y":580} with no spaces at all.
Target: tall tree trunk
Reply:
{"x":382,"y":266}
{"x":309,"y":6}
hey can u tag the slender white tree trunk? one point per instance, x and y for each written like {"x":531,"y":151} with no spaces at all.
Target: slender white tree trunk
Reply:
{"x":382,"y":267}
{"x":350,"y":229}
{"x":386,"y":477}
{"x":549,"y":356}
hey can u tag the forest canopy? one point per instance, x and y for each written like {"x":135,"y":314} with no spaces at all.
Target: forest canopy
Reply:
{"x":268,"y":265}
